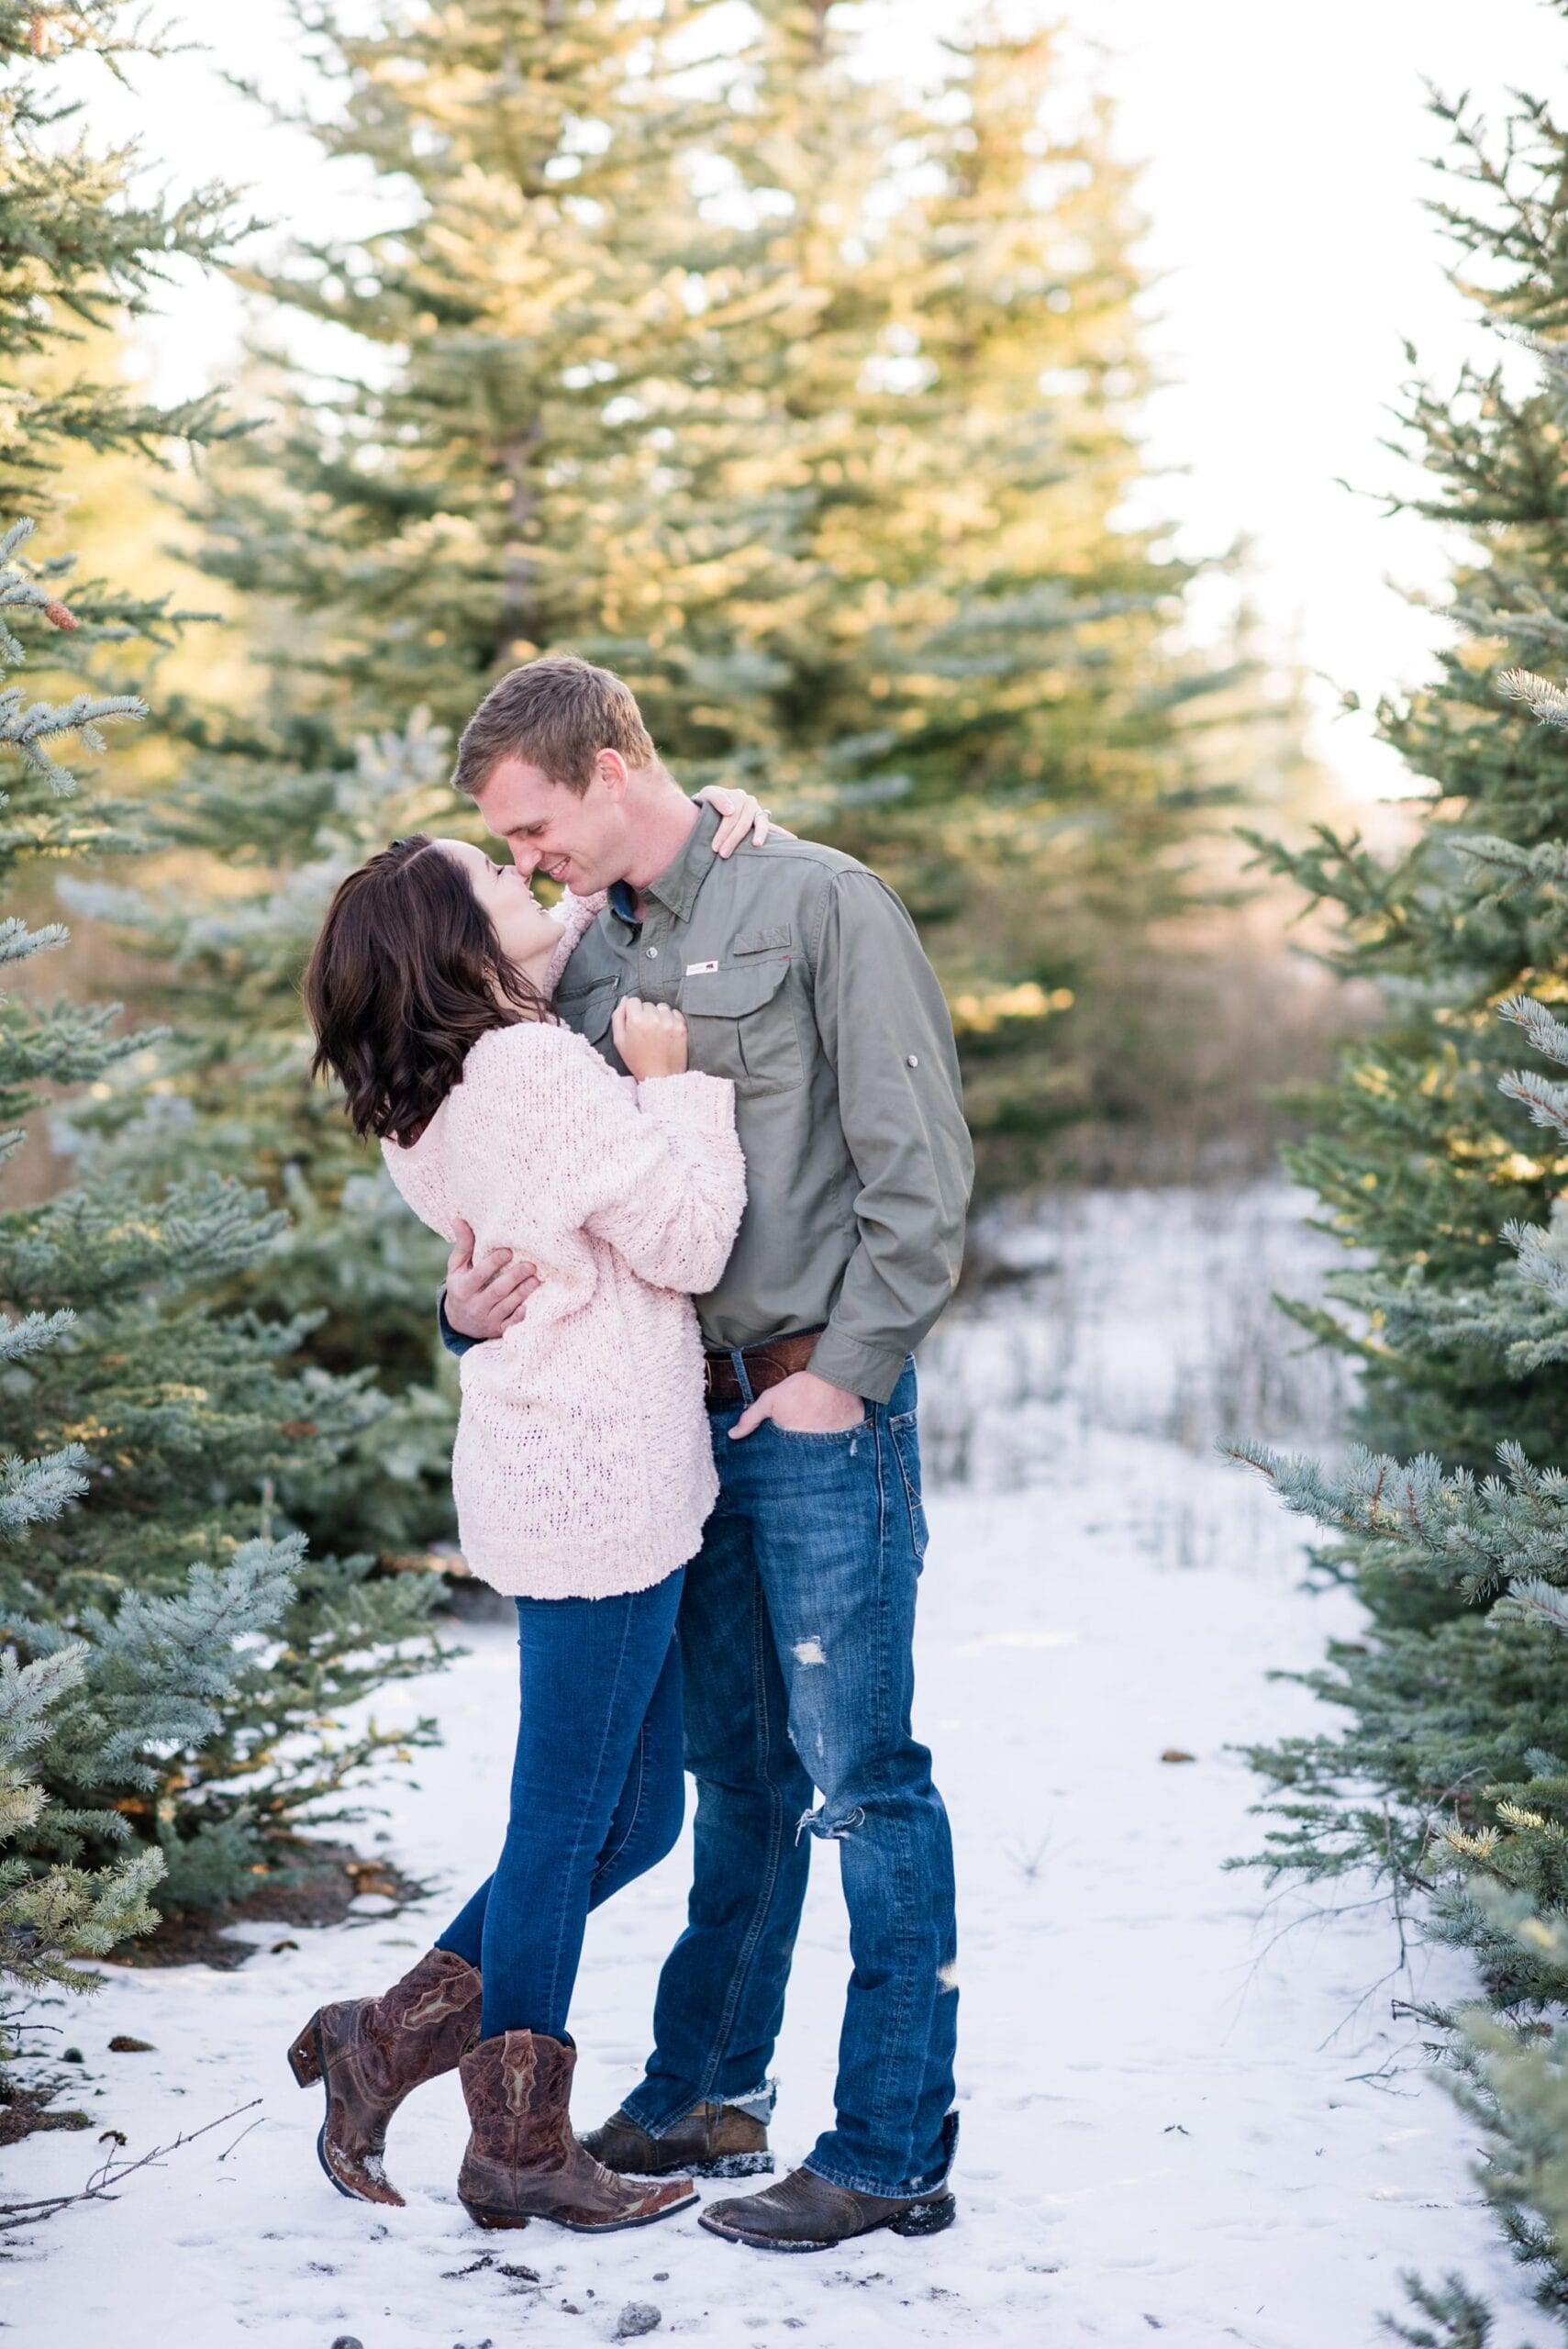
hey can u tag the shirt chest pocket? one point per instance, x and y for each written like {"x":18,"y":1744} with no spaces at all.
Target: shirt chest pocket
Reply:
{"x":742,"y":1017}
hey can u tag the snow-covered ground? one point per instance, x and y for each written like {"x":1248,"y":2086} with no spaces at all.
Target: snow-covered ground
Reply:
{"x":1178,"y":2117}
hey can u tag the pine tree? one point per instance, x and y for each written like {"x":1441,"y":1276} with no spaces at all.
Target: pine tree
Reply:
{"x":347,"y":1264}
{"x":984,"y":629}
{"x":536,"y":470}
{"x":1416,"y":1161}
{"x":50,"y":1917}
{"x":51,"y":1913}
{"x":1412,"y":1158}
{"x":1449,"y":1777}
{"x":1007,"y":707}
{"x":175,"y":1659}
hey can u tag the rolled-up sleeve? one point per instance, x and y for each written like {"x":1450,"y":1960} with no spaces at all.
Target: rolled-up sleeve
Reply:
{"x":884,"y":1028}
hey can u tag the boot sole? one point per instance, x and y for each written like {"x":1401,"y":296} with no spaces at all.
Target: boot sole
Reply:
{"x":931,"y":2218}
{"x":483,"y":2216}
{"x":722,"y":2166}
{"x":308,"y":2064}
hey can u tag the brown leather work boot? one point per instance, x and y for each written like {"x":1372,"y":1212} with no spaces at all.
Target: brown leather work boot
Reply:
{"x":523,"y":2161}
{"x":711,"y":2140}
{"x":369,"y":2053}
{"x":805,"y":2213}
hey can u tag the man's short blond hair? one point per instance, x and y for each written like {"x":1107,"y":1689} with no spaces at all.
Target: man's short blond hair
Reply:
{"x":558,"y":713}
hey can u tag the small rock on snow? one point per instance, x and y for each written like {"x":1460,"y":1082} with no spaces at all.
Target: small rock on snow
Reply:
{"x":637,"y":2317}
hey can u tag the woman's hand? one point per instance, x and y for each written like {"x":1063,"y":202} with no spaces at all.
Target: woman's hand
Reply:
{"x":649,"y":1036}
{"x":745,"y":819}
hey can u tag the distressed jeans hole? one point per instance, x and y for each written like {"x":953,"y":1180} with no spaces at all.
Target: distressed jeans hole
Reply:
{"x":821,"y":1822}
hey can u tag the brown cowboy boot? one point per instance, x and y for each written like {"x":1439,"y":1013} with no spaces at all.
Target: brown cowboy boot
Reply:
{"x":711,"y":2140}
{"x":523,"y":2161}
{"x":369,"y":2053}
{"x":805,"y":2213}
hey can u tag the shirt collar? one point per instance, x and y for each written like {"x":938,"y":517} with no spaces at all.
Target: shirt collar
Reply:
{"x":676,"y":887}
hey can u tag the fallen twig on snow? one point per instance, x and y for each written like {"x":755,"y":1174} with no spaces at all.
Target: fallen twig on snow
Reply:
{"x":110,"y":2174}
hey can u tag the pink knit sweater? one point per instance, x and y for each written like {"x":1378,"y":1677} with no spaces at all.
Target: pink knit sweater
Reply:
{"x":582,"y":1465}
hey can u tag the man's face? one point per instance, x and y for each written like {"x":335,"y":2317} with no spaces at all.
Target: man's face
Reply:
{"x":576,"y":838}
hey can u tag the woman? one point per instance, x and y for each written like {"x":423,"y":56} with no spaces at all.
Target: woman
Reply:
{"x":582,"y":1469}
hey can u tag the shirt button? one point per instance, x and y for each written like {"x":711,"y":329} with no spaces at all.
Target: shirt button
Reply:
{"x":654,"y":954}
{"x":912,"y":1060}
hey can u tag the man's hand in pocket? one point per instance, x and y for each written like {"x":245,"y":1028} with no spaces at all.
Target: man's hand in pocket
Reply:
{"x":803,"y":1404}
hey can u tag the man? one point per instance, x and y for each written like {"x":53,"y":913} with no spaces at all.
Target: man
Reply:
{"x":801,"y":977}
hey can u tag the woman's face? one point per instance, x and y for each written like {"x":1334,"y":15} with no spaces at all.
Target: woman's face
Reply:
{"x":525,"y":929}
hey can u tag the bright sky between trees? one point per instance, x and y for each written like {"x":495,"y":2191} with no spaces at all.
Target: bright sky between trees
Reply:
{"x":1285,"y":171}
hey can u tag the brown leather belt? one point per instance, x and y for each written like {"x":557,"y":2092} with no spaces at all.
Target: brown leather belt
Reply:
{"x":766,"y":1364}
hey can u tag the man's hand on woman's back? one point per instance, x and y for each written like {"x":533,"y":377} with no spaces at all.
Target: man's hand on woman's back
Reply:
{"x":485,"y":1296}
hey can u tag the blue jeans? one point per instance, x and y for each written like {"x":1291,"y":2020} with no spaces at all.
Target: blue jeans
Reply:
{"x":796,"y":1630}
{"x":598,"y":1795}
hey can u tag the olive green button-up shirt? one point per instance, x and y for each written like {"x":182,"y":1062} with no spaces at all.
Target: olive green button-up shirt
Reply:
{"x":801,"y":977}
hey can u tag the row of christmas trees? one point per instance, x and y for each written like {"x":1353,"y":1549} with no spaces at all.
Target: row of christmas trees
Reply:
{"x":1444,"y":1163}
{"x":812,"y":412}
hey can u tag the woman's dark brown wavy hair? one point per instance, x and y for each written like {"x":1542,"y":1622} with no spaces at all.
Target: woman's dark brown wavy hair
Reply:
{"x":406,"y":975}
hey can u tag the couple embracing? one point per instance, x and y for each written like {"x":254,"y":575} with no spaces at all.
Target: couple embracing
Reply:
{"x":697,"y":1140}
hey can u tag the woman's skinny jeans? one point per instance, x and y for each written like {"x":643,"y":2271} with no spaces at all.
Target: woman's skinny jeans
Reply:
{"x":598,"y":1794}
